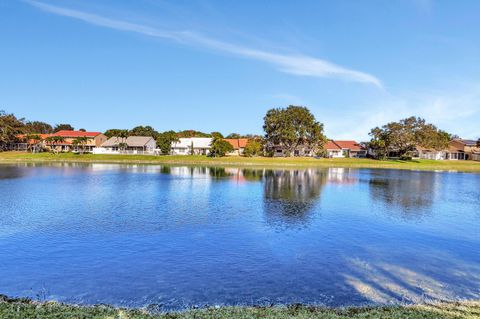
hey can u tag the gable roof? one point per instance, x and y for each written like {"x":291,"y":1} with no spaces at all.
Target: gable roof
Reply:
{"x":351,"y":145}
{"x":66,"y":133}
{"x":331,"y":145}
{"x":237,"y":143}
{"x":131,"y":141}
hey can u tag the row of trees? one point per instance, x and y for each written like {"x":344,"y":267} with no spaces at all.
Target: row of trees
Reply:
{"x":165,"y":139}
{"x":289,"y":128}
{"x":11,"y":127}
{"x":295,"y":127}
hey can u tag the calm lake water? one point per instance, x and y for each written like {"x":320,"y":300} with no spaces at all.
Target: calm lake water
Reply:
{"x":176,"y":237}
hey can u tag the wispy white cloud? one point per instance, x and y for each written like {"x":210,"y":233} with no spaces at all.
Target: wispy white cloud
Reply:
{"x":289,"y":63}
{"x":454,"y":111}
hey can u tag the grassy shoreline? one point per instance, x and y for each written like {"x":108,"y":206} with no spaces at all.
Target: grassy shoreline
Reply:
{"x":24,"y":308}
{"x":260,"y":162}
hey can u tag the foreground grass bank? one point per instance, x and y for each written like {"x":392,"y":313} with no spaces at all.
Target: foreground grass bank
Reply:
{"x":463,"y":166}
{"x":25,"y":309}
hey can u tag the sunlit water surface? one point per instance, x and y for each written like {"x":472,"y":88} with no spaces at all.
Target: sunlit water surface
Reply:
{"x":176,"y":237}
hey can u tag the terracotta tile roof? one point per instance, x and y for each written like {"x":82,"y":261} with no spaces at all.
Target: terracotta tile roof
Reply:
{"x":351,"y":145}
{"x":42,"y":136}
{"x":66,"y":133}
{"x":237,"y":143}
{"x":331,"y":145}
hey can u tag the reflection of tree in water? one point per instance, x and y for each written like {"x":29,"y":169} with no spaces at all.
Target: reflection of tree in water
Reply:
{"x":253,"y":174}
{"x":218,"y":172}
{"x":166,"y":169}
{"x":290,"y":195}
{"x":199,"y":171}
{"x":412,"y":192}
{"x":11,"y":172}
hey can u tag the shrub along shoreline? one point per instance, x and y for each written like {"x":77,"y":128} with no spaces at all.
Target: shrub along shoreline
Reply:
{"x":26,"y":309}
{"x":237,"y":161}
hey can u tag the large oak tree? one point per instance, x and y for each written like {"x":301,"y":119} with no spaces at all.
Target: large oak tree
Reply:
{"x":292,"y":127}
{"x":405,"y":135}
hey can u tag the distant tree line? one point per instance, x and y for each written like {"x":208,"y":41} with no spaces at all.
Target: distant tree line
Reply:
{"x":11,"y":127}
{"x":289,"y":128}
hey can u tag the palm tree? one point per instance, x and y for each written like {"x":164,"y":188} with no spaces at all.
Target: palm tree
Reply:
{"x":123,"y":135}
{"x":79,"y":143}
{"x":54,"y":141}
{"x":35,"y":139}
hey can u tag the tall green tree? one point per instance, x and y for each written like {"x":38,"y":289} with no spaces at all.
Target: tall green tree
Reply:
{"x":32,"y":127}
{"x":165,"y":140}
{"x":143,"y":131}
{"x":10,"y":127}
{"x":254,"y":147}
{"x":216,"y":135}
{"x":192,"y":133}
{"x":234,"y":135}
{"x":54,"y":141}
{"x":292,"y":127}
{"x":113,"y":132}
{"x":405,"y":135}
{"x":219,"y":148}
{"x":122,"y":137}
{"x":62,"y":127}
{"x":79,"y":143}
{"x":33,"y":142}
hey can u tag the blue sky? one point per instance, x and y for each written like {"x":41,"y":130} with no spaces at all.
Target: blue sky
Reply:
{"x":220,"y":65}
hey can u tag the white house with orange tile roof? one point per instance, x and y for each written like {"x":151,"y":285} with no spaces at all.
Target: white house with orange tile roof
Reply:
{"x":238,"y":145}
{"x":351,"y":148}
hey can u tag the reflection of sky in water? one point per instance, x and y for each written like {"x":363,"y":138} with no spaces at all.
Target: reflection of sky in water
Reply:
{"x":177,"y":236}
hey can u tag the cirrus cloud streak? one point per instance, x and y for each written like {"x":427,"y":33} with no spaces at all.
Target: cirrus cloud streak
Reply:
{"x":295,"y":64}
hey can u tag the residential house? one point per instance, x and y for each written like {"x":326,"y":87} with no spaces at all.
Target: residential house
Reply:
{"x":94,"y":139}
{"x":351,"y":148}
{"x":432,"y":154}
{"x":238,"y":145}
{"x":130,"y":145}
{"x":32,"y":144}
{"x":464,"y":149}
{"x":333,"y":150}
{"x":191,"y":145}
{"x":301,"y":150}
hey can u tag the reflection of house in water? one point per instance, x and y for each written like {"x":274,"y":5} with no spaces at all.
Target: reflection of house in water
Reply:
{"x":410,"y":191}
{"x":198,"y":171}
{"x":290,"y":195}
{"x":342,"y":176}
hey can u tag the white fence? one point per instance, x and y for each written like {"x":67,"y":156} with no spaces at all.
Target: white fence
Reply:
{"x":101,"y":150}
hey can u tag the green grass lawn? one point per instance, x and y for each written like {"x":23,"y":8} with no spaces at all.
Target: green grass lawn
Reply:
{"x":24,"y":309}
{"x":463,"y":166}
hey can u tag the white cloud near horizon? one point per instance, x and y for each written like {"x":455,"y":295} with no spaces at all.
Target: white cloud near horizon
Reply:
{"x":453,"y":111}
{"x":295,"y":64}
